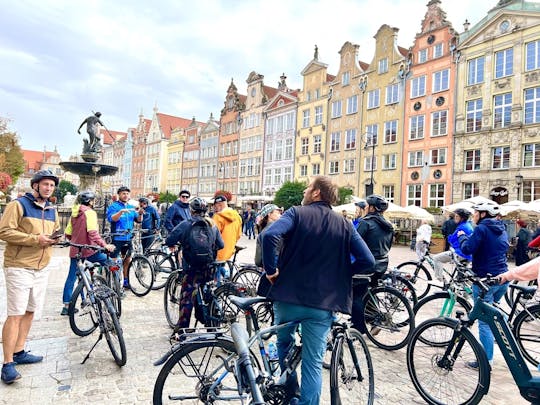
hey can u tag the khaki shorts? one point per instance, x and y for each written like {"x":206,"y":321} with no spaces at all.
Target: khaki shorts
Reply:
{"x":25,"y":290}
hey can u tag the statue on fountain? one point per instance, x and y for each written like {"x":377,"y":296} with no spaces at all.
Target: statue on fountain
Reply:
{"x":92,"y":128}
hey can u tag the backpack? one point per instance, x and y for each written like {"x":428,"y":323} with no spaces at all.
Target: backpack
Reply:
{"x":199,"y":246}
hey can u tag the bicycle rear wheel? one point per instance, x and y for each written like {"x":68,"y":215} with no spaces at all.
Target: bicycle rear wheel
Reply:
{"x":418,"y":275}
{"x":190,"y":372}
{"x":113,"y":331}
{"x":249,"y":278}
{"x":162,"y":265}
{"x":403,"y":285}
{"x":82,"y":313}
{"x":351,"y":371}
{"x":440,"y":305}
{"x":446,"y":379}
{"x":222,"y":311}
{"x":389,"y":318}
{"x":140,"y":275}
{"x":171,"y":298}
{"x":113,"y":281}
{"x":526,"y":328}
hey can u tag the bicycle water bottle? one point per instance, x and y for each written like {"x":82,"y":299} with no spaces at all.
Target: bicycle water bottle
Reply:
{"x":272,"y":351}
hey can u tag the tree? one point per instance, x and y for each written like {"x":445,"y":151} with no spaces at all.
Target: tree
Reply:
{"x":5,"y":181}
{"x":11,"y":157}
{"x":227,"y":194}
{"x":167,"y":197}
{"x":290,"y":194}
{"x":63,"y":188}
{"x":344,"y":194}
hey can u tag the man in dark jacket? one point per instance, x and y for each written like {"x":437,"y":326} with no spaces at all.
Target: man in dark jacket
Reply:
{"x":448,"y":228}
{"x":179,"y":211}
{"x":150,"y":223}
{"x":314,"y":277}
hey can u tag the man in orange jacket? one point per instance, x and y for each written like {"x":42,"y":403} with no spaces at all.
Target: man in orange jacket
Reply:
{"x":229,"y":223}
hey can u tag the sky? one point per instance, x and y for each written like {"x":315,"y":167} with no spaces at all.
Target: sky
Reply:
{"x":63,"y":59}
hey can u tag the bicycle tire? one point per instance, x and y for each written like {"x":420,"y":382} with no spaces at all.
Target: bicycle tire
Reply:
{"x":190,"y":371}
{"x":404,"y":286}
{"x":83,"y":318}
{"x":389,"y":317}
{"x":114,"y":284}
{"x":432,"y":306}
{"x":249,"y":278}
{"x":162,"y":266}
{"x":420,"y":277}
{"x":448,"y":376}
{"x":171,"y":298}
{"x":222,"y":311}
{"x":113,"y":331}
{"x":344,"y":381}
{"x":140,"y":275}
{"x":526,"y":328}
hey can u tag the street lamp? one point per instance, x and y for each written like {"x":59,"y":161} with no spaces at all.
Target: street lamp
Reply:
{"x":519,"y":182}
{"x":370,"y":142}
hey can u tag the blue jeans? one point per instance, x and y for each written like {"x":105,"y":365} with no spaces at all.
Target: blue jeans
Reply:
{"x":494,"y":294}
{"x":221,"y":273}
{"x":72,"y":275}
{"x":315,"y":324}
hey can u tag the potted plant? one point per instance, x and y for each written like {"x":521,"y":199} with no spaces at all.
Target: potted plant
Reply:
{"x":437,"y":243}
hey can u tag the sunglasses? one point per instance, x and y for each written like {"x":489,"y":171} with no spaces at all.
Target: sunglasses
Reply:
{"x":184,"y":196}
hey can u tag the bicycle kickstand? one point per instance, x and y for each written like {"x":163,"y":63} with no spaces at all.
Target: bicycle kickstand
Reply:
{"x":92,"y":348}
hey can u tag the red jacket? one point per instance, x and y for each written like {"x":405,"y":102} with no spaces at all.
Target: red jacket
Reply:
{"x":83,"y":229}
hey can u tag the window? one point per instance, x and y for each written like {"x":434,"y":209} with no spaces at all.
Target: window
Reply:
{"x":436,"y":195}
{"x":352,"y":104}
{"x":304,"y":146}
{"x":317,"y":144}
{"x":288,"y":148}
{"x":531,"y":155}
{"x":504,"y":63}
{"x":373,"y":99}
{"x":531,"y":190}
{"x":277,"y":176}
{"x":416,"y":158}
{"x":371,"y":134}
{"x":389,"y":161}
{"x":532,"y":57}
{"x":350,"y":139}
{"x":439,"y":121}
{"x":349,"y":166}
{"x":388,"y":193}
{"x":317,"y":94}
{"x":414,"y":194}
{"x":279,"y":150}
{"x":336,"y":109}
{"x":502,"y":110}
{"x":438,"y":50}
{"x":472,"y":160}
{"x":474,"y":115}
{"x":418,"y":86}
{"x":475,"y":71}
{"x":441,"y":80}
{"x":383,"y":66}
{"x":390,"y":131}
{"x":316,"y":169}
{"x":392,"y":94}
{"x":422,"y":55}
{"x":416,"y":130}
{"x":532,"y":106}
{"x":346,"y":78}
{"x":305,"y":119}
{"x":370,"y":163}
{"x":334,"y":167}
{"x":470,"y":190}
{"x":438,"y":156}
{"x":318,"y":115}
{"x":335,"y":139}
{"x":308,"y":96}
{"x":500,"y":157}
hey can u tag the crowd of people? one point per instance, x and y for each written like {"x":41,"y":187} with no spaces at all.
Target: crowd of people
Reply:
{"x":310,"y":258}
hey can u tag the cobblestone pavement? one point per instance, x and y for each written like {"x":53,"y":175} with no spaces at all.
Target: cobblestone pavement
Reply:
{"x":62,"y":379}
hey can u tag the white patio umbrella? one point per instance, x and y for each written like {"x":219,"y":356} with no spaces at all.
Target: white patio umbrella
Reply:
{"x":462,"y":204}
{"x":396,"y":211}
{"x":420,"y":213}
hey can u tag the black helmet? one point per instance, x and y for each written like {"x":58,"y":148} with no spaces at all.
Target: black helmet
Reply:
{"x":85,"y":197}
{"x":98,"y":114}
{"x":43,"y":174}
{"x":123,"y":188}
{"x":463,"y":213}
{"x":144,"y":200}
{"x":197,"y":205}
{"x":378,"y":202}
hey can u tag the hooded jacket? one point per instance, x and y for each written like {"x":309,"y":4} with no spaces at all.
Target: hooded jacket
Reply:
{"x":488,"y":245}
{"x":83,"y":230}
{"x":453,"y":239}
{"x":229,"y":224}
{"x":378,"y":234}
{"x":20,"y":226}
{"x":176,"y":213}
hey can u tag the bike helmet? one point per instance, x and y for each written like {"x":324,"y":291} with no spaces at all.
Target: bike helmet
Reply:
{"x":85,"y":197}
{"x":123,"y":188}
{"x":492,"y":208}
{"x":144,"y":200}
{"x":378,"y":202}
{"x":43,"y":174}
{"x":197,"y":205}
{"x":463,"y":213}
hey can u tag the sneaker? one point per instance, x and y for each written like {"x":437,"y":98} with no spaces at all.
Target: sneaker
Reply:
{"x":10,"y":373}
{"x":375,"y":331}
{"x":26,"y":358}
{"x":65,"y":311}
{"x":473,"y":365}
{"x":126,"y":284}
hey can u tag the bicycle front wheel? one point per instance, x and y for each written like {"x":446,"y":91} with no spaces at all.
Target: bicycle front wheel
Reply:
{"x":527,"y":333}
{"x":418,"y":275}
{"x":440,"y":373}
{"x":113,"y":281}
{"x":140,"y":275}
{"x":351,"y":371}
{"x":163,"y":266}
{"x":113,"y":331}
{"x":82,"y":313}
{"x":171,"y":298}
{"x":189,"y":373}
{"x":440,"y":304}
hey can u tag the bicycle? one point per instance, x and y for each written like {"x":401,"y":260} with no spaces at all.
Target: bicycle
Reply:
{"x":400,"y":281}
{"x":163,"y":260}
{"x":92,"y":301}
{"x":223,"y":368}
{"x":440,"y":348}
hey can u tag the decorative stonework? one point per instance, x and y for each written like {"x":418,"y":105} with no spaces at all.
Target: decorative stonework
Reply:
{"x":502,"y":83}
{"x":475,"y":90}
{"x":532,"y":77}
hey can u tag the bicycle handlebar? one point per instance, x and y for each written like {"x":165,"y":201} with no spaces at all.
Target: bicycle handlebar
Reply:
{"x":81,"y":247}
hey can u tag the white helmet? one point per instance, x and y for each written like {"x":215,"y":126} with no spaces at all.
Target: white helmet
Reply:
{"x":492,"y":208}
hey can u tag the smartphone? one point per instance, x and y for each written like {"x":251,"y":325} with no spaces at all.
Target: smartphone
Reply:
{"x":57,"y":234}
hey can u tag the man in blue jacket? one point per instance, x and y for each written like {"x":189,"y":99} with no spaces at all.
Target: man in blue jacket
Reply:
{"x":150,"y":223}
{"x":314,"y":277}
{"x":179,"y":211}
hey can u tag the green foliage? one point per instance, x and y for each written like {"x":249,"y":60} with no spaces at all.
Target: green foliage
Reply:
{"x":167,"y":197}
{"x":434,"y":210}
{"x":344,"y":194}
{"x":63,"y":188}
{"x":11,"y":157}
{"x":290,"y":194}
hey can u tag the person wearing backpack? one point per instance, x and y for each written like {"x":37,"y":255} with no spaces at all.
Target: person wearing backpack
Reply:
{"x":200,"y":240}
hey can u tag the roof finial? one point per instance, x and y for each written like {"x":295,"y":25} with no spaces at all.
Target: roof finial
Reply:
{"x":316,"y":54}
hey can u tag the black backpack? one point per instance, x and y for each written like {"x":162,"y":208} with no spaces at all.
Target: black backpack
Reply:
{"x":199,"y":246}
